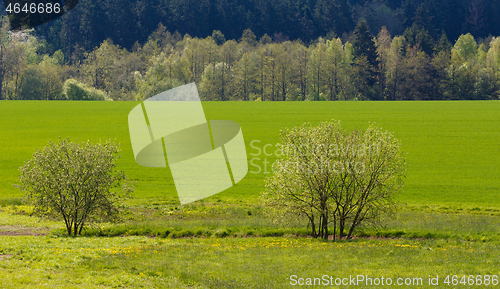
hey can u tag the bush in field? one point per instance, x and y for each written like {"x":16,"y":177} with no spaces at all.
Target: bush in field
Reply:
{"x":77,"y":182}
{"x":74,"y":90}
{"x":333,"y":177}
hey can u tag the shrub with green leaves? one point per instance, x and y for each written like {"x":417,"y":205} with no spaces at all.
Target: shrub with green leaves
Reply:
{"x":74,"y":90}
{"x":330,"y":176}
{"x":77,"y":182}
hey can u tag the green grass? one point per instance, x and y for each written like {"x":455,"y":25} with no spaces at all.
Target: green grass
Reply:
{"x":229,"y":221}
{"x":215,"y":246}
{"x":232,"y":262}
{"x":453,"y":152}
{"x":448,"y":222}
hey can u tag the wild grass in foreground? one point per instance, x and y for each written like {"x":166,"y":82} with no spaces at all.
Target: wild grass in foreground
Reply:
{"x":404,"y":224}
{"x":233,"y":262}
{"x":218,"y":246}
{"x":221,"y":220}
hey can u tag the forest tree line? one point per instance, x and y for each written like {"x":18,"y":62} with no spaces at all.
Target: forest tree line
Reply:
{"x":411,"y":66}
{"x":128,"y":21}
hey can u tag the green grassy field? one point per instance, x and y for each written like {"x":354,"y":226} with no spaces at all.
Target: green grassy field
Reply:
{"x":448,"y":222}
{"x":453,"y":147}
{"x":234,"y":263}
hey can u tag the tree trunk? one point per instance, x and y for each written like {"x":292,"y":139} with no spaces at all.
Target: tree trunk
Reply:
{"x":313,"y":226}
{"x":75,"y":225}
{"x":221,"y":94}
{"x":334,"y":227}
{"x":303,"y":83}
{"x":15,"y":89}
{"x":80,"y":229}
{"x":283,"y":90}
{"x":318,"y":80}
{"x":395,"y":84}
{"x":68,"y":228}
{"x":351,"y":230}
{"x":325,"y":227}
{"x":320,"y":228}
{"x":341,"y":227}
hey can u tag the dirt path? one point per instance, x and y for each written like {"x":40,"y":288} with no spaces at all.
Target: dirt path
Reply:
{"x":22,"y":231}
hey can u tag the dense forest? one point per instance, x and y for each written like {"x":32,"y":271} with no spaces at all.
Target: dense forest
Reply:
{"x":258,"y":50}
{"x":129,"y":21}
{"x":126,"y":22}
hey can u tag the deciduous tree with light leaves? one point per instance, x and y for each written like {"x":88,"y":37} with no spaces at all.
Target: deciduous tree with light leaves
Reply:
{"x":77,"y":182}
{"x":327,"y":176}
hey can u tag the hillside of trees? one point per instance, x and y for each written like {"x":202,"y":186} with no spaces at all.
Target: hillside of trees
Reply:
{"x":126,"y":22}
{"x":258,"y":50}
{"x":411,"y":66}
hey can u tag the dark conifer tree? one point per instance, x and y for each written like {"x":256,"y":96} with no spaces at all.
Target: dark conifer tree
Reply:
{"x":478,"y":17}
{"x":364,"y":48}
{"x":333,"y":16}
{"x":418,"y":36}
{"x":363,"y":44}
{"x":423,"y":18}
{"x":444,"y":44}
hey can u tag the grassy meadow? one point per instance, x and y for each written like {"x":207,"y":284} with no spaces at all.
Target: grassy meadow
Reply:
{"x":452,"y":147}
{"x":233,"y":262}
{"x":448,"y":222}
